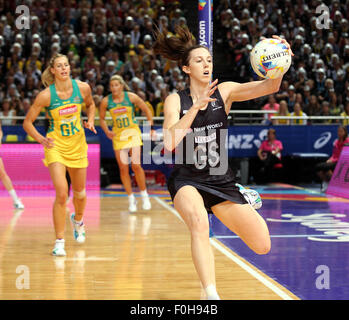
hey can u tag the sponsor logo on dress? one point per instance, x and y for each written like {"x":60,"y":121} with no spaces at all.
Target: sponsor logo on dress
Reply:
{"x":215,"y":106}
{"x":206,"y":139}
{"x":120,"y":110}
{"x":68,"y":110}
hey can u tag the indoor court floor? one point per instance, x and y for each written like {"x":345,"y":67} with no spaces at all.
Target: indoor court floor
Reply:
{"x":146,"y":255}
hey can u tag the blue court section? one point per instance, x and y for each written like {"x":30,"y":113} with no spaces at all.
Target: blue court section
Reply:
{"x":309,"y":234}
{"x":310,"y":242}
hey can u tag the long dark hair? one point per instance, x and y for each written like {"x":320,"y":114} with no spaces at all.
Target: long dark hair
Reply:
{"x":345,"y":131}
{"x":176,"y":47}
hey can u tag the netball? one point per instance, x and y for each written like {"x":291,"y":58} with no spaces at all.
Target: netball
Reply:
{"x":270,"y":58}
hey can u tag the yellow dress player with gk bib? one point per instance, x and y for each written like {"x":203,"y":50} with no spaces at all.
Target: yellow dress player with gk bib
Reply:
{"x":70,"y":147}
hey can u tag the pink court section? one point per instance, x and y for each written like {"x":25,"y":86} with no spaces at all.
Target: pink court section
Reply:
{"x":24,"y":165}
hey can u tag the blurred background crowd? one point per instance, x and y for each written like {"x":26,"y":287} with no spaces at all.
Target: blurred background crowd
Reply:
{"x":317,"y":83}
{"x":102,"y":38}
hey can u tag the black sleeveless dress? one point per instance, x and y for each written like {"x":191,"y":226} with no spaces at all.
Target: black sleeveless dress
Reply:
{"x":201,"y":158}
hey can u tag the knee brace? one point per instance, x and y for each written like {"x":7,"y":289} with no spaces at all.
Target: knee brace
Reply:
{"x":79,"y":194}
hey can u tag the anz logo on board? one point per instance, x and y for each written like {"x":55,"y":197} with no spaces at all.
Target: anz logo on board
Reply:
{"x":246,"y":141}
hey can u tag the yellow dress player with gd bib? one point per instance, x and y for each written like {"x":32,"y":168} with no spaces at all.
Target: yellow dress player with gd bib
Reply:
{"x":126,"y":135}
{"x":70,"y":147}
{"x":65,"y":144}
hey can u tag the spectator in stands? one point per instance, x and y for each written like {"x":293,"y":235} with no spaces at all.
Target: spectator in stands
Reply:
{"x":306,"y":97}
{"x":269,"y":154}
{"x":320,"y":84}
{"x":314,"y":107}
{"x":335,"y":108}
{"x":298,"y":112}
{"x":283,"y":112}
{"x":291,"y":97}
{"x":24,"y":109}
{"x":7,"y":112}
{"x":325,"y":112}
{"x":283,"y":92}
{"x":272,"y":105}
{"x":345,"y":113}
{"x":325,"y":170}
{"x":301,"y":79}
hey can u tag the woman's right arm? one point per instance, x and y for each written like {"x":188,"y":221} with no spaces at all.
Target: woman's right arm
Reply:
{"x":102,"y":111}
{"x":175,"y":128}
{"x":42,"y":100}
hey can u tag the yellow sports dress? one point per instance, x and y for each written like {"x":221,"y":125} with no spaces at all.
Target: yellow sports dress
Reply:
{"x":125,"y":127}
{"x":70,"y":147}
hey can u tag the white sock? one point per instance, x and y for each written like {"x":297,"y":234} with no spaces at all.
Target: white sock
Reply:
{"x":211,"y":293}
{"x":131,"y":198}
{"x":79,"y":223}
{"x":13,"y":194}
{"x":144,"y":193}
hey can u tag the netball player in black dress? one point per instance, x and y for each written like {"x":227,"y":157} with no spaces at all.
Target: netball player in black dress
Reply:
{"x":195,"y":124}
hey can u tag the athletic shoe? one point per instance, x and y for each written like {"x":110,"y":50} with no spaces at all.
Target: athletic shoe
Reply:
{"x":324,"y":186}
{"x":146,"y":203}
{"x":58,"y":250}
{"x":79,"y":230}
{"x":132,"y":205}
{"x":18,"y":204}
{"x":251,"y":196}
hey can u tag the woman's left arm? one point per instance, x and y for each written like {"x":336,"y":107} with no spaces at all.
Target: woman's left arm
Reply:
{"x":138,"y":101}
{"x":90,"y":106}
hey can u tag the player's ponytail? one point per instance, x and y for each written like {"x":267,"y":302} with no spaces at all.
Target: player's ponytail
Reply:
{"x":47,"y":77}
{"x":176,"y":47}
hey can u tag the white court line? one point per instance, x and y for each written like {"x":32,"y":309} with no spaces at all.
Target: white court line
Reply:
{"x":282,"y":236}
{"x":239,"y":262}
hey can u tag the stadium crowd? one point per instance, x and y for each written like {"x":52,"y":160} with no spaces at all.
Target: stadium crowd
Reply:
{"x":317,"y":83}
{"x":102,"y":38}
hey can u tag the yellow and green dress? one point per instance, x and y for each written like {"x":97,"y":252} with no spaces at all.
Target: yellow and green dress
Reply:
{"x":125,"y":126}
{"x":70,"y":147}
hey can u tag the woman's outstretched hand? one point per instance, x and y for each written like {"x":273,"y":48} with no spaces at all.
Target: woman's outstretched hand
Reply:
{"x":205,"y":98}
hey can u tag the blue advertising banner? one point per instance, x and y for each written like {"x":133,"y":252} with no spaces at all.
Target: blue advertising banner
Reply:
{"x":205,"y":31}
{"x":242,"y":141}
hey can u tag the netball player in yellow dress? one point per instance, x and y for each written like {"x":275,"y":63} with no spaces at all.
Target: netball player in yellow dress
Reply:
{"x":65,"y":143}
{"x":126,"y":136}
{"x":6,"y":180}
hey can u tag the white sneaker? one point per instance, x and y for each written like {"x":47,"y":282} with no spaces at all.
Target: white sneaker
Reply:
{"x":18,"y":204}
{"x":251,"y":196}
{"x":324,"y":186}
{"x":58,"y":250}
{"x":79,"y":230}
{"x":146,"y":203}
{"x":132,"y":205}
